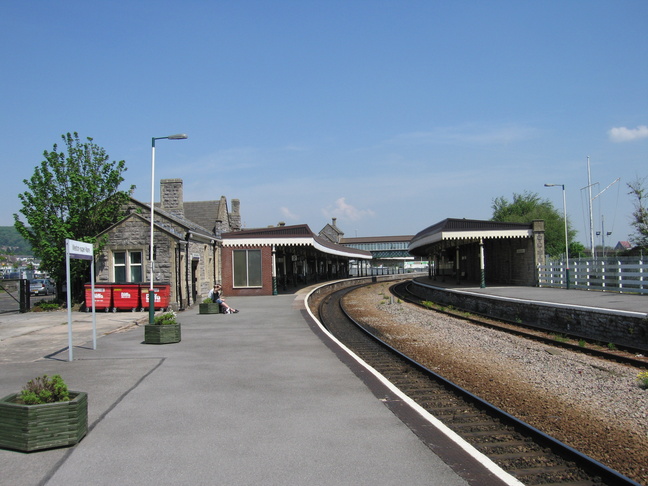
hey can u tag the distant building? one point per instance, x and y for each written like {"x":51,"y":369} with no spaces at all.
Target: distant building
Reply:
{"x":623,"y":246}
{"x":385,"y":250}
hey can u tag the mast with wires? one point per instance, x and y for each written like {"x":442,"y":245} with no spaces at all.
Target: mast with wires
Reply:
{"x":591,"y":201}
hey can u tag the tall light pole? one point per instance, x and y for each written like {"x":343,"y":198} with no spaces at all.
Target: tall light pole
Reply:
{"x":180,"y":136}
{"x":566,"y":234}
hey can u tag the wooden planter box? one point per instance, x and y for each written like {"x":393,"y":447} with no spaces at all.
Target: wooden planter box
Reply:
{"x":161,"y":334}
{"x":34,"y":427}
{"x":209,"y":308}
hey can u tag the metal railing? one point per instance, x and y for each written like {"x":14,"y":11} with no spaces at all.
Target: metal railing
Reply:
{"x":614,"y":275}
{"x":14,"y":295}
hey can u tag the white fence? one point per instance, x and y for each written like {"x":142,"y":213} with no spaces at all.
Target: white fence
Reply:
{"x":627,"y":276}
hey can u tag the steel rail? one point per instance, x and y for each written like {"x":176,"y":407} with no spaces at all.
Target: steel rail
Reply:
{"x":593,"y":468}
{"x":400,"y":290}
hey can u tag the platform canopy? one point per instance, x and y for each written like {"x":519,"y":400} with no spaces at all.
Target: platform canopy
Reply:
{"x":286,"y":236}
{"x":450,"y":230}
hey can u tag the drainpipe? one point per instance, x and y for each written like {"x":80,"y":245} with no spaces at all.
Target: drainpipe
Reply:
{"x":178,"y":277}
{"x":187,"y":268}
{"x":214,"y":263}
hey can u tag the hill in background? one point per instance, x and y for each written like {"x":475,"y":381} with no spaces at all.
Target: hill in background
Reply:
{"x":12,"y":242}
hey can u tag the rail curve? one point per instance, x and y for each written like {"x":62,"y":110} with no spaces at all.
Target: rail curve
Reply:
{"x":526,"y":453}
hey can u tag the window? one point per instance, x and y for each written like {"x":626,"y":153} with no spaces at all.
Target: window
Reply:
{"x":247,"y":268}
{"x":127,"y":266}
{"x":135,"y":266}
{"x":119,"y":261}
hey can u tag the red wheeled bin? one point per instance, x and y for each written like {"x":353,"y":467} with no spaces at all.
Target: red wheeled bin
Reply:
{"x":102,"y":295}
{"x":162,"y":295}
{"x":126,"y":296}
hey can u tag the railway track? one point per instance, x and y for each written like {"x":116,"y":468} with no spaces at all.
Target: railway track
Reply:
{"x":526,"y":453}
{"x":633,"y":357}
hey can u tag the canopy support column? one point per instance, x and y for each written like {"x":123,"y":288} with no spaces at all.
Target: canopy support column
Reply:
{"x":482,"y":266}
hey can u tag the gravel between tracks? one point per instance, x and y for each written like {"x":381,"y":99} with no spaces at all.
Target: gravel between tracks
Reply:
{"x":595,"y":406}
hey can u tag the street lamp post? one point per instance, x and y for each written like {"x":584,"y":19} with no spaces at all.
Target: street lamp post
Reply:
{"x":180,"y":136}
{"x":566,"y":234}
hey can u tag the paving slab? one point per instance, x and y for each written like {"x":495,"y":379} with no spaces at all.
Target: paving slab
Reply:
{"x":249,"y":398}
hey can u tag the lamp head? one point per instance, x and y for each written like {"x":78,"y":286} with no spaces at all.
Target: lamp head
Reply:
{"x":179,"y":136}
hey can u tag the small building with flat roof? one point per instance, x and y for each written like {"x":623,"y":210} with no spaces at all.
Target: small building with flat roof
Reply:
{"x":265,"y":260}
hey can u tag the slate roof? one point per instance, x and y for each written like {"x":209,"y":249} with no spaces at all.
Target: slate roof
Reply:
{"x":203,"y":213}
{"x":178,"y":220}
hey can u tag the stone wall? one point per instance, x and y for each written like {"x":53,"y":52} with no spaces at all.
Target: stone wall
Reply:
{"x":171,"y":196}
{"x":618,"y":328}
{"x":174,"y":259}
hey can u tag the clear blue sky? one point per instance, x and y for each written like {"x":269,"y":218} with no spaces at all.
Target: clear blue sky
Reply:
{"x":387,"y":115}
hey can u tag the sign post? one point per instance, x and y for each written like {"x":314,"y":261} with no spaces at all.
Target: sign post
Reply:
{"x":80,"y":251}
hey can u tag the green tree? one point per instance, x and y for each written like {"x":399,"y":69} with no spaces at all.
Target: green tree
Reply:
{"x":71,"y":195}
{"x":639,"y":222}
{"x":529,"y":206}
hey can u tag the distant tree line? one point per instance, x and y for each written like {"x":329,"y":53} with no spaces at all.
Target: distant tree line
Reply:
{"x":12,"y":242}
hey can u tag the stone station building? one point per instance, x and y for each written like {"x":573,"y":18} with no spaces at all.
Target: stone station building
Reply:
{"x":186,"y":244}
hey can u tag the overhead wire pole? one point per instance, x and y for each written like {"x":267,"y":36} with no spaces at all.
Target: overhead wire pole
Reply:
{"x":566,"y":233}
{"x":591,"y":216}
{"x":591,"y":200}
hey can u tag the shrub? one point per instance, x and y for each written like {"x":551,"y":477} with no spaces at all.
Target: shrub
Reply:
{"x":207,"y":301}
{"x":44,"y":389}
{"x":165,"y":319}
{"x":643,"y":379}
{"x":45,"y":306}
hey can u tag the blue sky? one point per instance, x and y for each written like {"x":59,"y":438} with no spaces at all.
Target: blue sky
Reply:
{"x":387,"y":115}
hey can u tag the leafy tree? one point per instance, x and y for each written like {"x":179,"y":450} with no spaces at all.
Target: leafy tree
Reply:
{"x":527,"y":207}
{"x":71,"y":195}
{"x":577,"y":249}
{"x":639,"y":191}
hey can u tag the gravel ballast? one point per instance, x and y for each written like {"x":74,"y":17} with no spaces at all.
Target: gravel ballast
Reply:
{"x":593,"y":405}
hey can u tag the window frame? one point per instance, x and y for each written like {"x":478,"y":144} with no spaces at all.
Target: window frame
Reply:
{"x":235,"y":276}
{"x":128,"y":266}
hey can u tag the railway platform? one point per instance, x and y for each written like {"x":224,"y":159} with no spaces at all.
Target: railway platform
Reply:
{"x":602,"y":301}
{"x":250,"y":398}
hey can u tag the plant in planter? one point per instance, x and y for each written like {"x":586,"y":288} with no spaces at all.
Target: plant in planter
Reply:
{"x":209,"y":307}
{"x":45,"y":414}
{"x":164,"y":330}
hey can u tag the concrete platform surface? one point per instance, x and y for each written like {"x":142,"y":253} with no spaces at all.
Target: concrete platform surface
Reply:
{"x":250,"y":398}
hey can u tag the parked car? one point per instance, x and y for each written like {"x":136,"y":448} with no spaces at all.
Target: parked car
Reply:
{"x":41,"y":286}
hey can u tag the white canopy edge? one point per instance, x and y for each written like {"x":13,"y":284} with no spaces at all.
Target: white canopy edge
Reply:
{"x":471,"y":235}
{"x":294,"y":241}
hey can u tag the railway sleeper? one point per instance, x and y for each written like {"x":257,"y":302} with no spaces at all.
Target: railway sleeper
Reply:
{"x":564,"y":475}
{"x":572,"y":483}
{"x":475,"y":427}
{"x":489,"y":433}
{"x":506,"y":445}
